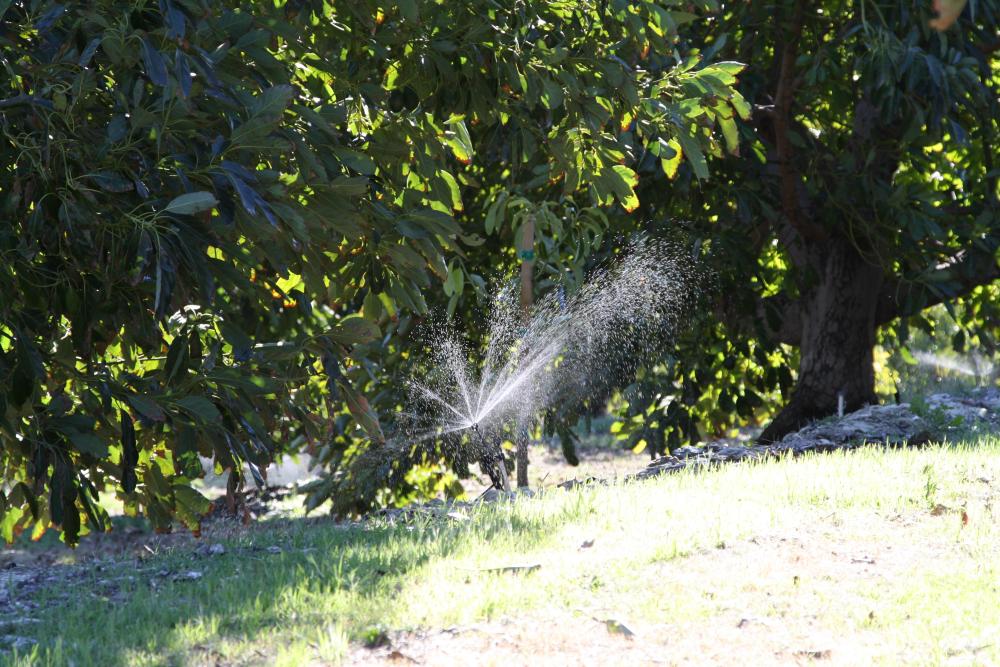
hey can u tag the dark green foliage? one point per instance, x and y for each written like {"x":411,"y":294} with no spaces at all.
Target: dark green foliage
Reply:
{"x":224,"y":222}
{"x":220,"y":220}
{"x":163,"y":275}
{"x":873,"y":142}
{"x":153,"y":218}
{"x":548,"y":111}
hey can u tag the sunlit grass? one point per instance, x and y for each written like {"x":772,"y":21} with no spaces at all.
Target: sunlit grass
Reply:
{"x":330,"y":585}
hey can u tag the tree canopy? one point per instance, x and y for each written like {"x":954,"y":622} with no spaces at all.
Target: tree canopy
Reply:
{"x":222,"y":220}
{"x":867,"y":194}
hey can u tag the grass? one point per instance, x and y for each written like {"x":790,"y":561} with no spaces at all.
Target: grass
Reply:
{"x":678,"y":555}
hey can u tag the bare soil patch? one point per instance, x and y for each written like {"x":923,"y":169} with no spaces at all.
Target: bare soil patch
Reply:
{"x":810,"y":596}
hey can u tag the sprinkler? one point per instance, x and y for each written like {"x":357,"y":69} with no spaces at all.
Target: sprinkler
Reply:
{"x":495,"y":467}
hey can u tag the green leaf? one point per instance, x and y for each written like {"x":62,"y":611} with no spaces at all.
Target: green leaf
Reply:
{"x":433,"y":221}
{"x":201,"y":408}
{"x":623,"y":180}
{"x":391,"y":76}
{"x":455,"y":282}
{"x":89,"y":443}
{"x":356,"y":160}
{"x":362,"y":412}
{"x":740,"y":105}
{"x":730,"y":134}
{"x":266,"y":111}
{"x":456,"y":276}
{"x":494,"y":216}
{"x":191,"y":203}
{"x":404,"y":257}
{"x":191,"y":505}
{"x":409,"y":10}
{"x":460,"y":141}
{"x":552,"y":94}
{"x":235,"y":336}
{"x":453,"y":190}
{"x":349,"y":186}
{"x":191,"y":499}
{"x":147,"y":407}
{"x":156,"y":66}
{"x":111,"y":181}
{"x":694,"y":154}
{"x":12,"y":518}
{"x":354,"y":329}
{"x":727,"y":70}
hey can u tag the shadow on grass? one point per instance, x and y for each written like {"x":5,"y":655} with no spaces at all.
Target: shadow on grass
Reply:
{"x":279,"y":583}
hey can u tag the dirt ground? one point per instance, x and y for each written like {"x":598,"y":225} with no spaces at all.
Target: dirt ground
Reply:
{"x":547,"y":467}
{"x":793,"y":598}
{"x":807,"y":602}
{"x":27,"y":567}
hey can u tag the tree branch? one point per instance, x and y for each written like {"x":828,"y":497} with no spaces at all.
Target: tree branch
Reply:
{"x":963,"y":274}
{"x":782,"y":114}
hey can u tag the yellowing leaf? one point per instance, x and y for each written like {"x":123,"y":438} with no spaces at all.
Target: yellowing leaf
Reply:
{"x":456,"y":195}
{"x":391,"y":76}
{"x":623,"y":180}
{"x":730,"y":134}
{"x":670,"y":164}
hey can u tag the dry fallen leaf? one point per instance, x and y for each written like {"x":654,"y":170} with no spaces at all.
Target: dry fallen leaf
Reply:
{"x":815,"y":655}
{"x":616,"y":627}
{"x":514,"y":569}
{"x":397,"y":655}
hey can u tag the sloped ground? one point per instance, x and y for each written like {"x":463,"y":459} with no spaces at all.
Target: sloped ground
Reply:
{"x":834,"y":592}
{"x":846,"y":558}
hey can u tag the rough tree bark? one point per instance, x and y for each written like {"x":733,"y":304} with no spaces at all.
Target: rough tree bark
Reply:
{"x":834,"y":322}
{"x":842,"y":295}
{"x":837,"y":336}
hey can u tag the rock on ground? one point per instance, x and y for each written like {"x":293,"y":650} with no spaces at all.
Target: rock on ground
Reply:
{"x":889,"y":425}
{"x":980,"y":407}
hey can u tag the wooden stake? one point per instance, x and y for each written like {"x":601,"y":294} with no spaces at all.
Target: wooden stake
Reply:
{"x":526,"y":252}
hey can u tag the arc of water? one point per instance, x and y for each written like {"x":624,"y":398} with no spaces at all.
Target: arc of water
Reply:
{"x":503,"y":391}
{"x":433,"y":395}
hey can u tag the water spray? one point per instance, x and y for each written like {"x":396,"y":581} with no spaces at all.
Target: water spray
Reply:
{"x":569,"y":345}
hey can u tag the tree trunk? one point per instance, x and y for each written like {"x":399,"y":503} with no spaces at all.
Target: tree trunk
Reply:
{"x":838,"y":336}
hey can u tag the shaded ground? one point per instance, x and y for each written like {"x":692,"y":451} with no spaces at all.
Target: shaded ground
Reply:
{"x":547,"y":466}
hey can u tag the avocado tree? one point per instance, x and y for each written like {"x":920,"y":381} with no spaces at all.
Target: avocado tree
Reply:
{"x":550,"y":107}
{"x":194,"y":217}
{"x":222,"y":220}
{"x":867,"y":191}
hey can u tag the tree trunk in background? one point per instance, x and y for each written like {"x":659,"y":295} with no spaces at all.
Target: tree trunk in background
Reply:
{"x":838,"y":337}
{"x":527,"y":254}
